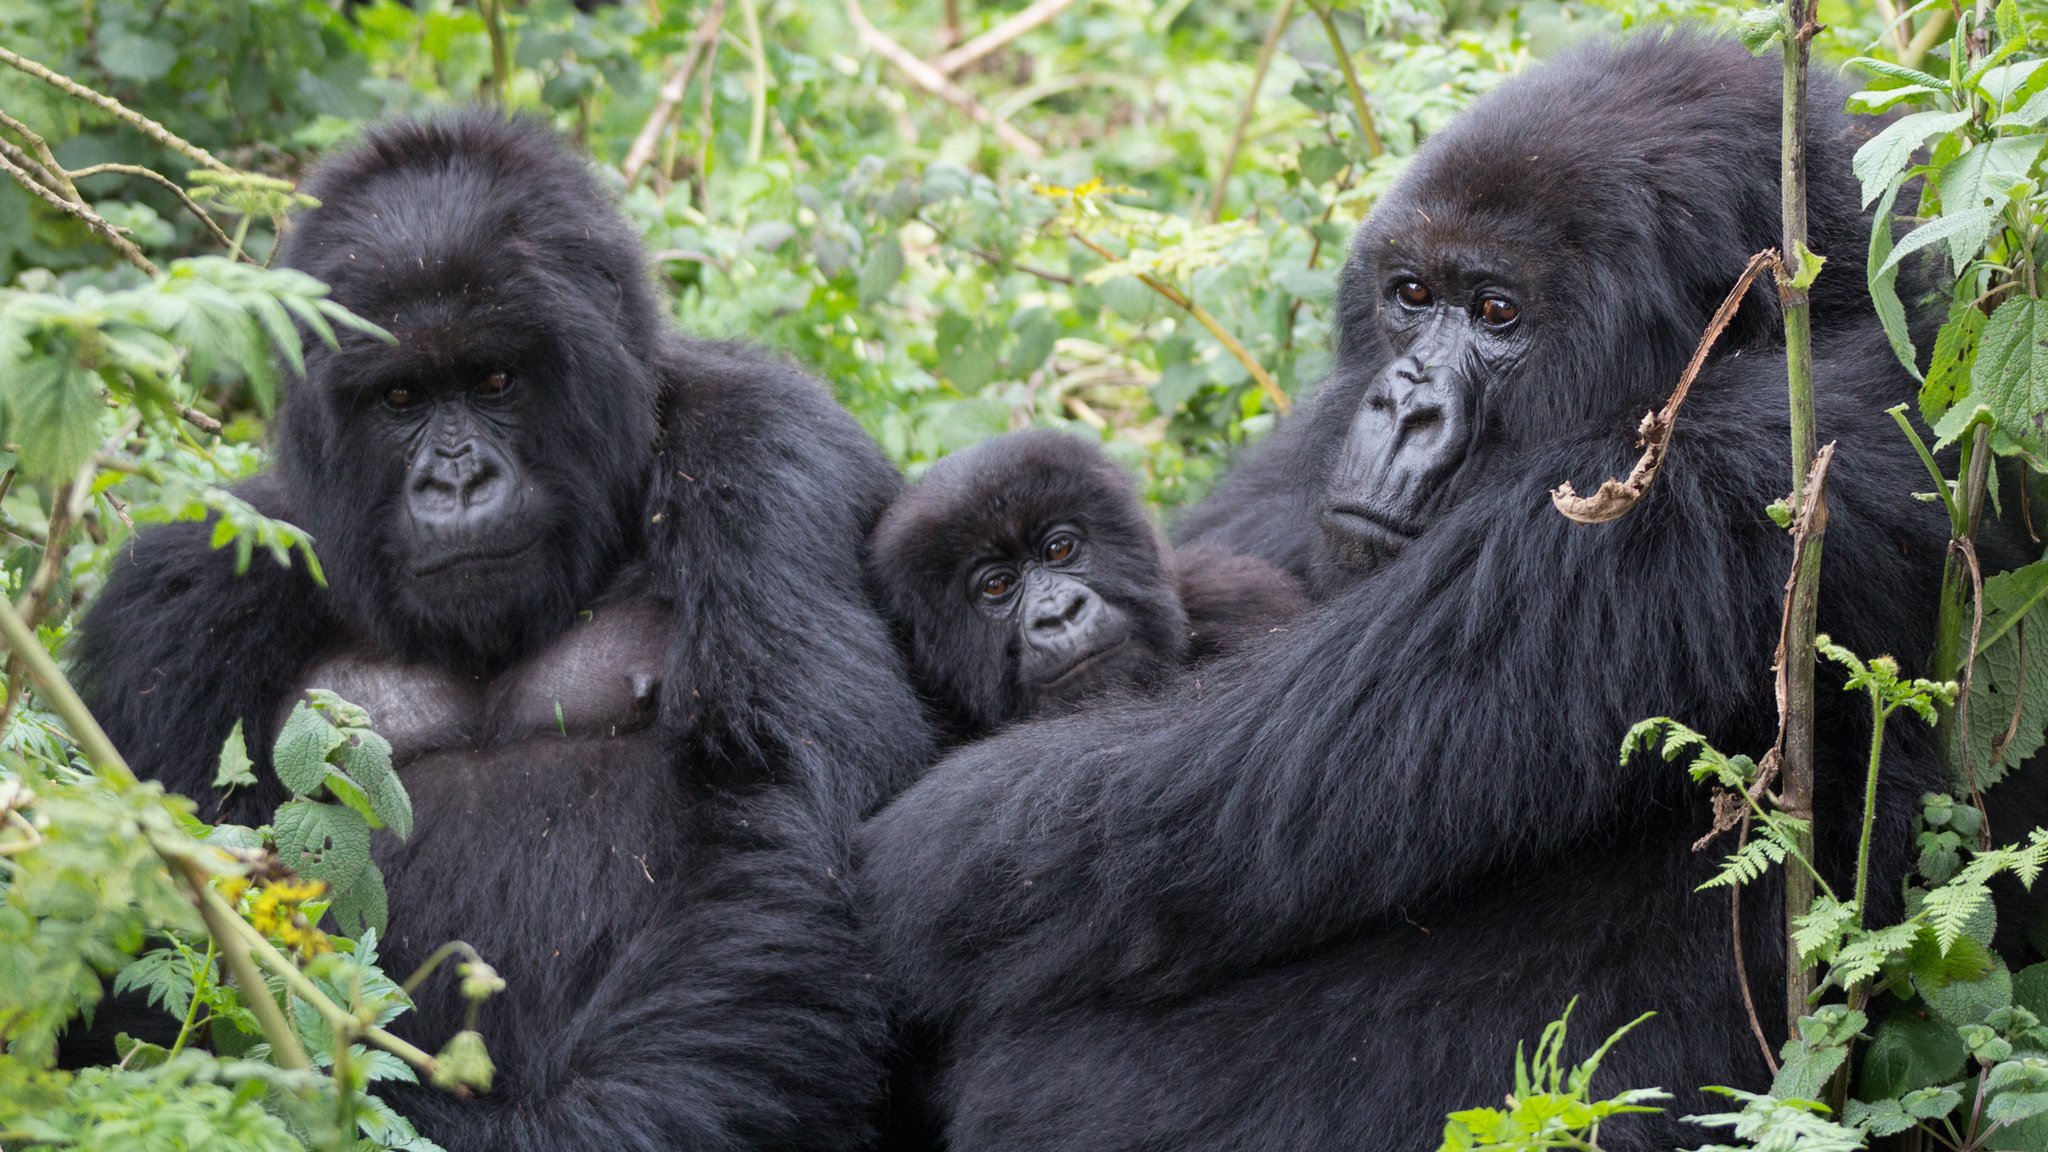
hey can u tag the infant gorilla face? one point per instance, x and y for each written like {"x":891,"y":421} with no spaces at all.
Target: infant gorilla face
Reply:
{"x":1071,"y":642}
{"x":1024,"y":577}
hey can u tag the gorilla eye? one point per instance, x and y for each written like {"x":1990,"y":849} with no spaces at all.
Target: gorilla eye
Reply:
{"x":1413,"y":293}
{"x":1061,"y":548}
{"x":997,"y":586}
{"x":399,"y":398}
{"x":492,"y":385}
{"x":1498,"y":310}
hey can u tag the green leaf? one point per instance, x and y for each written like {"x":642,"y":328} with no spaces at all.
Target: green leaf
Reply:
{"x":1968,"y":1002}
{"x":54,"y":408}
{"x":134,"y":58}
{"x":367,"y":760}
{"x":1131,"y":299}
{"x":322,"y":842}
{"x":1873,"y":101}
{"x":1955,"y":355}
{"x":1316,"y":285}
{"x":1882,"y":157}
{"x":1909,"y":1052}
{"x":2010,"y":598}
{"x":235,"y":764}
{"x":1968,"y":227}
{"x":1884,"y":291}
{"x":361,"y":906}
{"x":968,"y":352}
{"x":1320,"y":163}
{"x":2011,"y":374}
{"x":300,"y":757}
{"x":1985,"y":176}
{"x":880,"y":271}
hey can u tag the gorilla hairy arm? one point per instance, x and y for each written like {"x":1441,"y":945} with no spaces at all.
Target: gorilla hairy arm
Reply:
{"x":1147,"y":848}
{"x":777,"y":649}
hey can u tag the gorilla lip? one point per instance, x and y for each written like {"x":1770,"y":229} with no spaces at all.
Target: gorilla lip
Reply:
{"x":1358,"y":520}
{"x":1086,"y":662}
{"x":443,"y":563}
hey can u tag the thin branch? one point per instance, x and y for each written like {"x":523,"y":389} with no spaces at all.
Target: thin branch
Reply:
{"x":122,"y":246}
{"x":191,"y":205}
{"x":221,"y":924}
{"x":501,"y":52}
{"x":967,"y":55}
{"x":1267,"y":384}
{"x":46,"y":160}
{"x":922,"y":75}
{"x":144,"y":124}
{"x":1251,"y":103}
{"x":30,"y":164}
{"x":1371,"y":135}
{"x":757,"y":55}
{"x":1616,"y":497}
{"x":670,"y":97}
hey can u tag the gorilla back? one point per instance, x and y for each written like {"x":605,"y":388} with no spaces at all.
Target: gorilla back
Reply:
{"x":1315,"y":899}
{"x":598,"y":584}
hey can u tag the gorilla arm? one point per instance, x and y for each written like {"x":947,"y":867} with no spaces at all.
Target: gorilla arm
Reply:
{"x":764,"y":494}
{"x":171,"y":597}
{"x":1459,"y":714}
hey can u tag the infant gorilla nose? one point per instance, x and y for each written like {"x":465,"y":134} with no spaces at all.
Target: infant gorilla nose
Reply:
{"x":1071,"y":632}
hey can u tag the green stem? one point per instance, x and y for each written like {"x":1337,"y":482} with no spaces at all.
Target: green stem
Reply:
{"x":1878,"y":715}
{"x":1251,"y":103}
{"x":501,"y":52}
{"x":1371,"y":135}
{"x":757,"y":53}
{"x":1942,"y":488}
{"x":222,"y":922}
{"x":199,"y":978}
{"x":63,"y":699}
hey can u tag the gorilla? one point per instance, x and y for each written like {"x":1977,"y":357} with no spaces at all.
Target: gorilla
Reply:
{"x":1024,"y":577}
{"x":599,"y":585}
{"x":1315,"y":899}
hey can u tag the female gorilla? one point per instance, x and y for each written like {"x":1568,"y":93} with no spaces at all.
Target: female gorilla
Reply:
{"x":1315,"y":900}
{"x":599,"y":585}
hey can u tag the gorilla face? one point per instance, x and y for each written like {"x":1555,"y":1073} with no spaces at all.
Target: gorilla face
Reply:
{"x":1451,"y":329}
{"x":1069,"y":640}
{"x":470,"y":486}
{"x":1025,"y":577}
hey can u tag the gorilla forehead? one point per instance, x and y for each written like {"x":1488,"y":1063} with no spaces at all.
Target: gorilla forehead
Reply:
{"x":995,"y":497}
{"x":437,"y":228}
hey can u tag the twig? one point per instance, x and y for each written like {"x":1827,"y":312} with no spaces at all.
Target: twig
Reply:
{"x":46,"y":160}
{"x":1616,"y":497}
{"x":199,"y":420}
{"x":221,"y":922}
{"x":922,"y":75}
{"x":1251,"y":103}
{"x":967,"y":55}
{"x":501,"y":52}
{"x":219,"y":236}
{"x":757,"y":55}
{"x":30,"y":164}
{"x":1962,"y":546}
{"x":1267,"y":384}
{"x":1756,"y":1023}
{"x":670,"y":97}
{"x":1371,"y":135}
{"x":144,"y":124}
{"x":122,"y":246}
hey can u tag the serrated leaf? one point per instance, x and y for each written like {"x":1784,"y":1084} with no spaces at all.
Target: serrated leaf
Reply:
{"x":1872,"y":101}
{"x":53,"y":408}
{"x":367,"y":760}
{"x":880,"y":270}
{"x":1967,"y":1002}
{"x":322,"y":842}
{"x":1984,"y":177}
{"x":300,"y":755}
{"x":2011,"y":374}
{"x":361,"y":906}
{"x":1882,"y":157}
{"x":235,"y":765}
{"x":1805,"y":1072}
{"x":1955,"y":354}
{"x":1884,"y":290}
{"x":1909,"y":1052}
{"x":1968,"y":228}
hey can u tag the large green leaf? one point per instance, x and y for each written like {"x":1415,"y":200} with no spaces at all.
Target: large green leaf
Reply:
{"x":322,"y":842}
{"x":300,"y":757}
{"x":1888,"y":153}
{"x":2010,"y":634}
{"x":2011,"y":374}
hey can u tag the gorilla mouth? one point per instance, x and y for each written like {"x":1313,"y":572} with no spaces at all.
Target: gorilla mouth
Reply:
{"x":436,"y":565}
{"x":1087,"y":663}
{"x":1358,"y":520}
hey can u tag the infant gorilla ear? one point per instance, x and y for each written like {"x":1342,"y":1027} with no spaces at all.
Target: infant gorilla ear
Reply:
{"x":1024,"y":577}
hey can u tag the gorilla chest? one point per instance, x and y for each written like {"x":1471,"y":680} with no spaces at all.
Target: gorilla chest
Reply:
{"x":547,"y":786}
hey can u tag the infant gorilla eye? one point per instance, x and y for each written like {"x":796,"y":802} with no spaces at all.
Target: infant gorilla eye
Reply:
{"x":1498,"y":310}
{"x":1413,"y":293}
{"x":1060,"y":548}
{"x":997,"y":586}
{"x":492,"y":385}
{"x":399,"y":398}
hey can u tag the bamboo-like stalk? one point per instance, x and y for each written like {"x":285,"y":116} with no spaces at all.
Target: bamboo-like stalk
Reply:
{"x":1796,"y":673}
{"x":1251,"y":103}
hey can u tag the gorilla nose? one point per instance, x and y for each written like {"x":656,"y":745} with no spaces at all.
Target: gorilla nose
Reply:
{"x":1071,"y":609}
{"x":456,"y":484}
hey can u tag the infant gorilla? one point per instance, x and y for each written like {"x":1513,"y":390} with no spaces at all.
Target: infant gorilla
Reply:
{"x":1023,"y":577}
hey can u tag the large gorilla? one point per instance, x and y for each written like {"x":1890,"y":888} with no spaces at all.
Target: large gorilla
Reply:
{"x":1315,"y":900}
{"x":600,"y":584}
{"x":1024,"y":578}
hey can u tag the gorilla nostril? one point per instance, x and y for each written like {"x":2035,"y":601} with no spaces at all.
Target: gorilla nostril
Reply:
{"x":1422,"y":419}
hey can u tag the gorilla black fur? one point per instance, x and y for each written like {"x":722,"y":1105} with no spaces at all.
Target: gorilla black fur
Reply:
{"x":1024,"y":577}
{"x":661,"y":876}
{"x":1315,"y":900}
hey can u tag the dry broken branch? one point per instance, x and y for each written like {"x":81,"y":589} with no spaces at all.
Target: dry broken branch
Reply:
{"x":671,"y":96}
{"x":974,"y":51}
{"x":1616,"y":497}
{"x":926,"y":77}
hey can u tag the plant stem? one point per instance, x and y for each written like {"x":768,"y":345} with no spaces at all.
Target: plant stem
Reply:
{"x":144,"y":124}
{"x":1371,"y":135}
{"x":221,"y":923}
{"x":1267,"y":384}
{"x":1251,"y":102}
{"x":757,"y":54}
{"x":63,"y":699}
{"x":493,"y":13}
{"x":1796,"y":786}
{"x":1877,"y":719}
{"x":199,"y":977}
